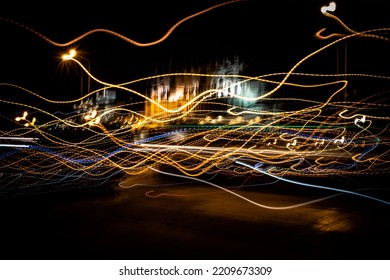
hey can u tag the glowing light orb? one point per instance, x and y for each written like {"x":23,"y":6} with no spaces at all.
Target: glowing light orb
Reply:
{"x":330,"y":8}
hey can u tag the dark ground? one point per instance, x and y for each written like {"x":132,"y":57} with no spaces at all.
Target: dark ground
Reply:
{"x":194,"y":221}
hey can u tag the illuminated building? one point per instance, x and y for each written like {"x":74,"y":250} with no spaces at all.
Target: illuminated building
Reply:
{"x":222,"y":81}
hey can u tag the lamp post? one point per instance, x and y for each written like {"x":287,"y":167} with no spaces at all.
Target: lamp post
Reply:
{"x":339,"y":59}
{"x":72,"y":53}
{"x":331,"y":8}
{"x":89,"y":78}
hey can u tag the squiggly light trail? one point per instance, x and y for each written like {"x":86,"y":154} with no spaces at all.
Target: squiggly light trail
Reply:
{"x":202,"y":133}
{"x":118,"y":35}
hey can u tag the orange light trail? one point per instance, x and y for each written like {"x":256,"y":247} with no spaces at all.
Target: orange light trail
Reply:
{"x":223,"y":129}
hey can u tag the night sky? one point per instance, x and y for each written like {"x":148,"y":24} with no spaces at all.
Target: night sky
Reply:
{"x":270,"y":36}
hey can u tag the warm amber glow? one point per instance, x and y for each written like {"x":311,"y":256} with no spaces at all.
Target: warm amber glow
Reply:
{"x":221,"y":125}
{"x":72,"y":53}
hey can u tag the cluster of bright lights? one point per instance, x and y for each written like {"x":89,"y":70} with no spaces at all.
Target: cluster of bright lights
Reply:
{"x":320,"y":137}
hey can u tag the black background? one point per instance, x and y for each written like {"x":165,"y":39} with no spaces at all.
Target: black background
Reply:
{"x":270,"y":36}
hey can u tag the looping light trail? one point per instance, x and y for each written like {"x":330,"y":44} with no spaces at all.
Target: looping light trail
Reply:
{"x":296,"y":129}
{"x":331,"y":8}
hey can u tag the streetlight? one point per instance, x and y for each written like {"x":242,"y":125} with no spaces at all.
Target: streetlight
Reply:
{"x":72,"y":53}
{"x":331,"y":8}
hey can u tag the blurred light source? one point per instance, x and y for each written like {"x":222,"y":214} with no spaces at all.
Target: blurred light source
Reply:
{"x":70,"y":55}
{"x":330,"y":8}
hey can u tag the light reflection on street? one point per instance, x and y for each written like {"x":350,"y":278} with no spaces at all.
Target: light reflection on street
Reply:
{"x":332,"y":220}
{"x":208,"y":201}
